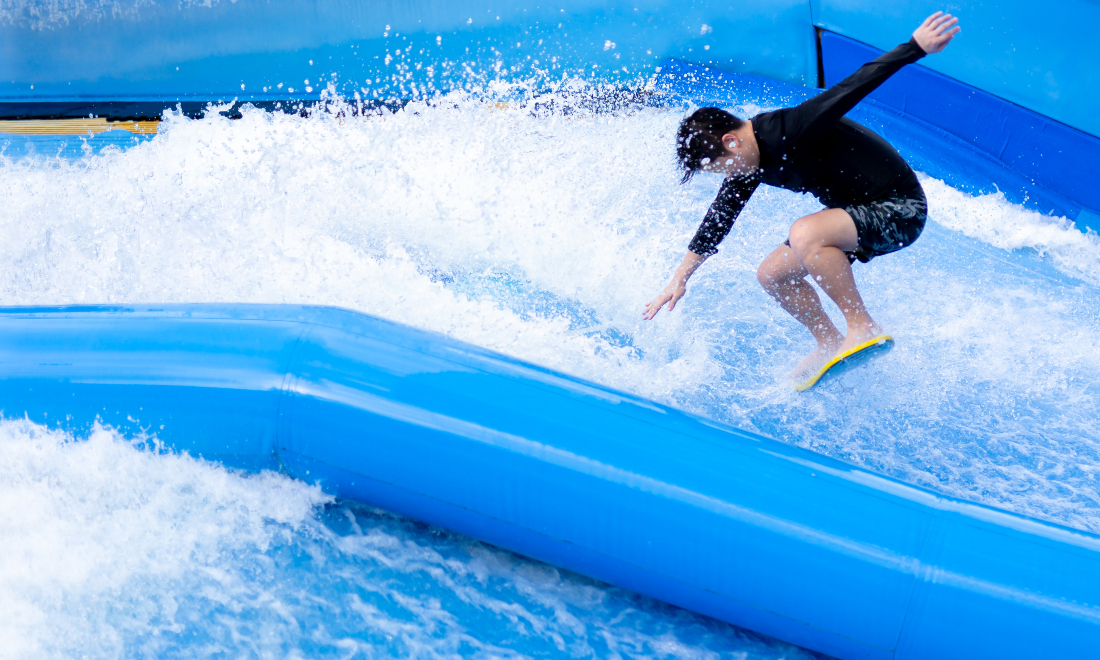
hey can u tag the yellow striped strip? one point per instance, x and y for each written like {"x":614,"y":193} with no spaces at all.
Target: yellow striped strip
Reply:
{"x":75,"y":126}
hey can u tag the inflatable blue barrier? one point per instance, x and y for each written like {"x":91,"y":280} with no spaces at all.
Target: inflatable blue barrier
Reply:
{"x":746,"y":529}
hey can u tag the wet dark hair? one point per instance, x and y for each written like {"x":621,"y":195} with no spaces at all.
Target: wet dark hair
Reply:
{"x":700,"y":138}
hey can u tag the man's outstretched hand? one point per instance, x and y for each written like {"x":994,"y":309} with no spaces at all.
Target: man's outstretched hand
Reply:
{"x":671,"y":295}
{"x":676,"y":288}
{"x":936,"y":32}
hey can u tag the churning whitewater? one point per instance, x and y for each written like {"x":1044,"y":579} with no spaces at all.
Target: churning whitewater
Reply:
{"x":117,"y":551}
{"x":536,"y":233}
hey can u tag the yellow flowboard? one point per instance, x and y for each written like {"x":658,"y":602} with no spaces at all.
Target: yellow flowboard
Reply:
{"x":849,"y":358}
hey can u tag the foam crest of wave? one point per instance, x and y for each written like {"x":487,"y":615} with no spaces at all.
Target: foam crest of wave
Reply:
{"x":106,"y":545}
{"x":412,"y":216}
{"x":993,"y":220}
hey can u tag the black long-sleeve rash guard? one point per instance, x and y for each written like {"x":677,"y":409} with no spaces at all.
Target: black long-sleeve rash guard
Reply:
{"x":813,"y":148}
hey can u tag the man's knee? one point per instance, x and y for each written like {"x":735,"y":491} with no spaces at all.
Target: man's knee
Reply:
{"x":775,"y":272}
{"x":803,"y":238}
{"x":765,"y":274}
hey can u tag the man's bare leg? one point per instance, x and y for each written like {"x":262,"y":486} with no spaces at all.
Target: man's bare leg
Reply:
{"x":784,"y":278}
{"x":820,"y":241}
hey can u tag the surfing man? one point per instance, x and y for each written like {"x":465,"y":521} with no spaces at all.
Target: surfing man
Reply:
{"x":874,"y":203}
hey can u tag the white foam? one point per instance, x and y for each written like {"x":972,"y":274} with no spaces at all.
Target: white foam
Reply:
{"x":114,"y":550}
{"x":994,"y":220}
{"x":103,"y":543}
{"x":373,"y":215}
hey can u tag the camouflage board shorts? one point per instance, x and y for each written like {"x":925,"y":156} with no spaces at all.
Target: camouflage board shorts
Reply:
{"x":887,"y":225}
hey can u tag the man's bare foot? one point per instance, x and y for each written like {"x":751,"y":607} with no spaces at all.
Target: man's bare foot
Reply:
{"x":859,"y":335}
{"x":815,"y":360}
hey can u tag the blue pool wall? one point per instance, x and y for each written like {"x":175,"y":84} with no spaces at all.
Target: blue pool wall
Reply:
{"x":166,"y":52}
{"x":723,"y":522}
{"x":1041,"y":56}
{"x":1045,"y":61}
{"x":1019,"y":87}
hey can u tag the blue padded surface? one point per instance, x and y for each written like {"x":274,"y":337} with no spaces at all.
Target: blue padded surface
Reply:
{"x":1044,"y":153}
{"x":1042,"y":56}
{"x":147,"y":56}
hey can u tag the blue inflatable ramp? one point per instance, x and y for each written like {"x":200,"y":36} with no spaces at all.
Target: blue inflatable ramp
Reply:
{"x":746,"y":529}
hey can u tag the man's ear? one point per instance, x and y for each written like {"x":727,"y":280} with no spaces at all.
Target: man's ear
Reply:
{"x":731,"y":137}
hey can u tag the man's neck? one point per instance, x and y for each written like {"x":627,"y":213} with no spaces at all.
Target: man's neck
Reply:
{"x":750,"y":146}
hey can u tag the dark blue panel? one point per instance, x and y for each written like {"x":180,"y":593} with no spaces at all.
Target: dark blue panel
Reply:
{"x":1043,"y":56}
{"x":1039,"y":150}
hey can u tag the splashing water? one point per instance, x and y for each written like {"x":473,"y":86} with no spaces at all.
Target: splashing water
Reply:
{"x":542,"y":234}
{"x":111,"y":551}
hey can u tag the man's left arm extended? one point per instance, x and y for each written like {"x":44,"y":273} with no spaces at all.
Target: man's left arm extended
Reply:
{"x":721,"y":215}
{"x":813,"y":117}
